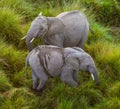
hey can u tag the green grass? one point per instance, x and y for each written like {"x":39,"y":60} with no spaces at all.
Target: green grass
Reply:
{"x":114,"y":90}
{"x":12,"y":60}
{"x":15,"y":89}
{"x":105,"y":10}
{"x":18,"y":98}
{"x":4,"y":82}
{"x":20,"y":7}
{"x":107,"y":56}
{"x":10,"y":28}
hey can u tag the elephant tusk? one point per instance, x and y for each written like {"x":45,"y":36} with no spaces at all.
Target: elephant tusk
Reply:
{"x":40,"y":14}
{"x":23,"y":37}
{"x":32,"y":40}
{"x":92,"y":76}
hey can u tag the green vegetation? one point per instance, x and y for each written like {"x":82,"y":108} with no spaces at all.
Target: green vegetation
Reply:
{"x":103,"y":46}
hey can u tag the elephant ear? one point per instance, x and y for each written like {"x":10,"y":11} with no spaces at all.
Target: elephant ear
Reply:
{"x":56,"y":26}
{"x":73,"y":60}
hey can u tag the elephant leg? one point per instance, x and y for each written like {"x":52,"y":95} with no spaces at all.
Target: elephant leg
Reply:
{"x":81,"y":43}
{"x":75,"y":76}
{"x":67,"y":78}
{"x":41,"y":75}
{"x":43,"y":79}
{"x":35,"y":80}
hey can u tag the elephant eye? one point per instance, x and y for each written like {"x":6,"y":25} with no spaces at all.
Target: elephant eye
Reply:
{"x":41,"y":28}
{"x":87,"y":66}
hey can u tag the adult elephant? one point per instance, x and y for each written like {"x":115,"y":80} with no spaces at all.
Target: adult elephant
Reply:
{"x":67,"y":29}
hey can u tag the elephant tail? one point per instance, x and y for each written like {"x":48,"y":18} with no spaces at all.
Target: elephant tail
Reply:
{"x":26,"y":64}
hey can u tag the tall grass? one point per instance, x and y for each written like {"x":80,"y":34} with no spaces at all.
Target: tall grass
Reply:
{"x":114,"y":90}
{"x":17,"y":99}
{"x":12,"y":60}
{"x":4,"y":82}
{"x":19,"y":6}
{"x":107,"y":57}
{"x":15,"y":89}
{"x":10,"y":29}
{"x":105,"y":10}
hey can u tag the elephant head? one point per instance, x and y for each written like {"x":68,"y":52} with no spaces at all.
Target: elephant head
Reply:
{"x":38,"y":28}
{"x":43,"y":26}
{"x":84,"y":62}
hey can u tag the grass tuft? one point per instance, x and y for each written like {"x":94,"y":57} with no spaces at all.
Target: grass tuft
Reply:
{"x":19,"y":6}
{"x":4,"y":82}
{"x":12,"y":59}
{"x":10,"y":29}
{"x":65,"y":104}
{"x":17,"y":98}
{"x":113,"y":103}
{"x":107,"y":56}
{"x":114,"y":90}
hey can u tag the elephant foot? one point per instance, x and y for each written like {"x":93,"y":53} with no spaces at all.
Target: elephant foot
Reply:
{"x":38,"y":92}
{"x":34,"y":90}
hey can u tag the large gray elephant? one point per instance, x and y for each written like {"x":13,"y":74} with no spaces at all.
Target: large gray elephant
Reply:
{"x":51,"y":61}
{"x":65,"y":30}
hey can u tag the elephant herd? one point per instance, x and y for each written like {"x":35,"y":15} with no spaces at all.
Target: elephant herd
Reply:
{"x":62,"y":55}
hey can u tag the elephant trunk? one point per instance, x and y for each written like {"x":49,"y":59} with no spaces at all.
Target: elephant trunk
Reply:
{"x":94,"y":74}
{"x":29,"y":39}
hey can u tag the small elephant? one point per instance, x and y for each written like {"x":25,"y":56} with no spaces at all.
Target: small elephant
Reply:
{"x":51,"y":61}
{"x":68,"y":29}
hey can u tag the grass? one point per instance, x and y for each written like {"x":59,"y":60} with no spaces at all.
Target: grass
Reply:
{"x":20,"y":7}
{"x":107,"y":56}
{"x":105,"y":10}
{"x":4,"y":82}
{"x":10,"y":29}
{"x":15,"y":89}
{"x":11,"y":60}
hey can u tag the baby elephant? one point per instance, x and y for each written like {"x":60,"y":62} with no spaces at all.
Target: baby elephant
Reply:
{"x":51,"y":61}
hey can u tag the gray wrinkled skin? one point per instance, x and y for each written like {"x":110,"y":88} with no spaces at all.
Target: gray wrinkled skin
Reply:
{"x":51,"y":61}
{"x":68,"y":29}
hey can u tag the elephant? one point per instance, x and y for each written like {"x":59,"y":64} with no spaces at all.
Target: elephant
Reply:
{"x":68,"y":29}
{"x":52,"y":61}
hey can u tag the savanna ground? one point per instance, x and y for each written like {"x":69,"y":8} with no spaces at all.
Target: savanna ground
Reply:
{"x":104,"y":46}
